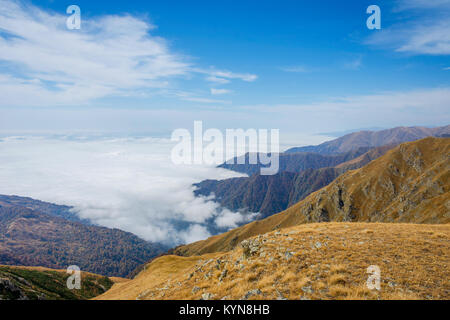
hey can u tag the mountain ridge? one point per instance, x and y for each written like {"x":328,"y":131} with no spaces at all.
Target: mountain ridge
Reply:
{"x":410,"y":183}
{"x":32,"y":238}
{"x":373,"y":139}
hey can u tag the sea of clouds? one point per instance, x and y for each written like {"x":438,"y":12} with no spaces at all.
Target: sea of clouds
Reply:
{"x":125,"y":183}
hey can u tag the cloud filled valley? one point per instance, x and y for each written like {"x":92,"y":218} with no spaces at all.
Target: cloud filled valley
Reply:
{"x":125,"y":183}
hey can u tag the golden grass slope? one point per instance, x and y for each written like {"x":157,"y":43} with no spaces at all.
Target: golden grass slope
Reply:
{"x":309,"y":261}
{"x":409,"y":184}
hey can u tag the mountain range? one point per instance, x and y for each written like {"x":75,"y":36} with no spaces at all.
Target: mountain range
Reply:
{"x":409,"y":184}
{"x":30,"y":237}
{"x":268,"y":195}
{"x":372,"y":139}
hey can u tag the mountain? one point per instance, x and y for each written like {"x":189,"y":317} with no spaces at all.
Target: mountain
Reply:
{"x":65,"y":212}
{"x":295,"y":162}
{"x":374,"y":139}
{"x":36,"y":283}
{"x":33,"y":238}
{"x":409,"y":184}
{"x":271,"y":194}
{"x":314,"y":261}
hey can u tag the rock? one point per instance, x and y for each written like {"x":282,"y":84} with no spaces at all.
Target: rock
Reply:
{"x":9,"y":289}
{"x":288,"y":255}
{"x":318,"y":245}
{"x":251,"y":293}
{"x":207,"y":296}
{"x":307,"y":289}
{"x":223,"y":275}
{"x":250,"y":247}
{"x":195,"y":290}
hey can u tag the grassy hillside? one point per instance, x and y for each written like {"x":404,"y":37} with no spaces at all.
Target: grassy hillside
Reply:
{"x":314,"y":261}
{"x":29,"y":283}
{"x":408,"y":184}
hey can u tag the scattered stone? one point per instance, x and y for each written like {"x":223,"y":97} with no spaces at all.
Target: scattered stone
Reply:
{"x":318,"y":245}
{"x":251,"y":293}
{"x":307,"y":289}
{"x":195,"y":290}
{"x":288,"y":255}
{"x":207,"y":296}
{"x":223,"y":275}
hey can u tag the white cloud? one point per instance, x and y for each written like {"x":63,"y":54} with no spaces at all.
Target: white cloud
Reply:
{"x":217,"y":80}
{"x":229,"y":219}
{"x":129,"y":184}
{"x":45,"y":64}
{"x":447,"y":68}
{"x":224,"y":76}
{"x":427,"y":34}
{"x":194,"y":233}
{"x":295,"y":69}
{"x":422,"y":4}
{"x":215,"y":91}
{"x":354,"y":64}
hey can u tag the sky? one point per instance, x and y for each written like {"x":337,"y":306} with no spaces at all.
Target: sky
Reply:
{"x":154,"y":66}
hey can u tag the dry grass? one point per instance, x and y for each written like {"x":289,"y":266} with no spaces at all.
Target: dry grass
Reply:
{"x":413,"y":260}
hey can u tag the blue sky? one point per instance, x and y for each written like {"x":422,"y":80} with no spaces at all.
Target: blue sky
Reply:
{"x":300,"y":66}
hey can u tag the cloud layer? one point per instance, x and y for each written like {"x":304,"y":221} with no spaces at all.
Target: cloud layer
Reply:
{"x":428,"y":33}
{"x":129,"y":184}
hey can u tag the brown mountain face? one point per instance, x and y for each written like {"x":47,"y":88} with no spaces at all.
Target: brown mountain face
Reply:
{"x":408,"y":184}
{"x":33,"y":238}
{"x":374,"y":139}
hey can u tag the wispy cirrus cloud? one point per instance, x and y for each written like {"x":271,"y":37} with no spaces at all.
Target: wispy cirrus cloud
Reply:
{"x":224,"y":76}
{"x":427,"y":34}
{"x":295,"y":69}
{"x":215,"y":91}
{"x":44,"y":63}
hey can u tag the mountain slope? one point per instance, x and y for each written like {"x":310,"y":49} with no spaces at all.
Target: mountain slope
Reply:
{"x":374,"y":139}
{"x":271,"y":194}
{"x":296,"y":162}
{"x":33,"y":238}
{"x":27,"y":283}
{"x":314,"y":261}
{"x":408,"y":184}
{"x":41,"y":206}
